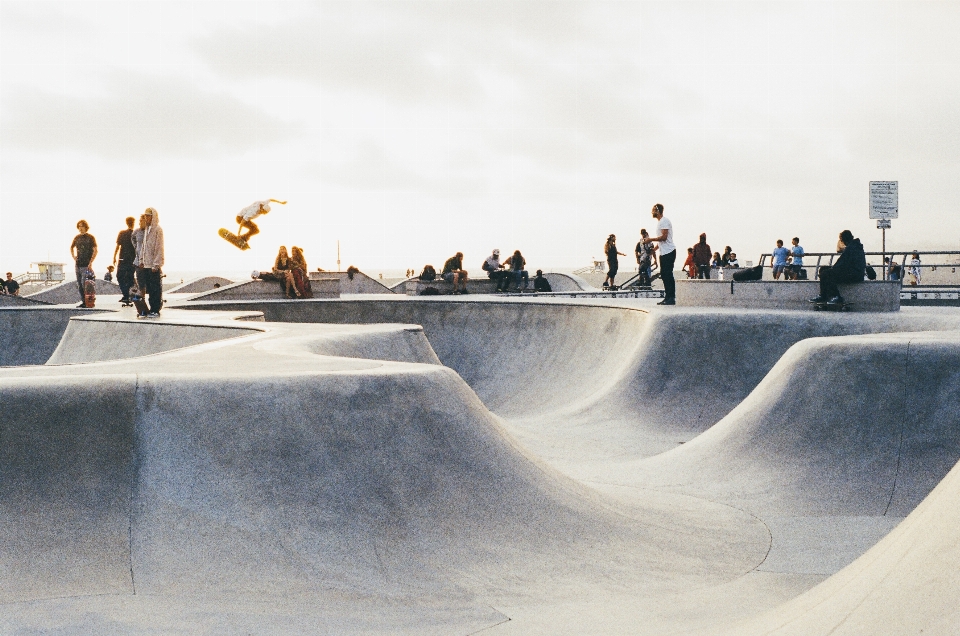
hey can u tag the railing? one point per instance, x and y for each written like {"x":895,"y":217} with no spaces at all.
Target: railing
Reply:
{"x":878,"y":262}
{"x":39,"y":277}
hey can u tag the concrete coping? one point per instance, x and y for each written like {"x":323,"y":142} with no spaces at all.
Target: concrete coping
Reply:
{"x":872,"y":296}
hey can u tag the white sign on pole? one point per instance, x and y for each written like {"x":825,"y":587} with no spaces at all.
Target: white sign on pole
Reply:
{"x":883,"y":200}
{"x":883,"y":224}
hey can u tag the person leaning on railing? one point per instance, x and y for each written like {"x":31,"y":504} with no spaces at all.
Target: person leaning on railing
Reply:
{"x":849,"y":268}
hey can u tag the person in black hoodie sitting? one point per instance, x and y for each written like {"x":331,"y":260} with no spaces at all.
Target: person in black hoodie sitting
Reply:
{"x":849,"y":268}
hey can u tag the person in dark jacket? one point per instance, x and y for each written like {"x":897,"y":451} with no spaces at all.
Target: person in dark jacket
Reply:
{"x":701,"y":257}
{"x":540,"y":283}
{"x":849,"y":268}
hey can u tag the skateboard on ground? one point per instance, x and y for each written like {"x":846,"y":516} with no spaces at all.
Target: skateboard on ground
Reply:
{"x":825,"y":306}
{"x":230,"y":237}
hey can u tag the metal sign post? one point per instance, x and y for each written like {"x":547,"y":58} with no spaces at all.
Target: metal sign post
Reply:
{"x":884,"y":206}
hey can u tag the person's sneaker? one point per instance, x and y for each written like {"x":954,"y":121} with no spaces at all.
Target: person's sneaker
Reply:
{"x":139,"y":316}
{"x":82,"y":306}
{"x":818,"y":299}
{"x":836,"y":300}
{"x":464,"y":291}
{"x":667,"y":301}
{"x":124,"y":300}
{"x":153,"y":314}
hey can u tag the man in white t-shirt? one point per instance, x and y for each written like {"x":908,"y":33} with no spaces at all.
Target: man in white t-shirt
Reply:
{"x":668,"y":254}
{"x":249,"y":213}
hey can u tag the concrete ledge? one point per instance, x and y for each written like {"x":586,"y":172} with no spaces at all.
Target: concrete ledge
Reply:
{"x":865,"y":296}
{"x":481,"y":286}
{"x":269,"y":290}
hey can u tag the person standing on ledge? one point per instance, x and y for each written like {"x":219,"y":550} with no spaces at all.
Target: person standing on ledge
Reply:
{"x":701,"y":257}
{"x":848,"y":268}
{"x":126,"y":252}
{"x":84,"y":251}
{"x":668,"y":254}
{"x":153,"y":261}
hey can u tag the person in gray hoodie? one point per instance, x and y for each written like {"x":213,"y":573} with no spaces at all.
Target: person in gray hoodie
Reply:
{"x":152,"y":261}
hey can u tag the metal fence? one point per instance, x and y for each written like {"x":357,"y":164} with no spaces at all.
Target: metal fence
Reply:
{"x":937,"y":268}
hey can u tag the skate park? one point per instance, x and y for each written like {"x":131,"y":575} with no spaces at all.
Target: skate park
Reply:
{"x":391,"y":464}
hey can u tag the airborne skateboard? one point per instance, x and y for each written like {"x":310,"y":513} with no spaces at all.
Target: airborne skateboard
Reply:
{"x":825,"y":306}
{"x":230,"y":237}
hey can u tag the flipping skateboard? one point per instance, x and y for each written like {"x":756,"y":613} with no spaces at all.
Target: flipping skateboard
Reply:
{"x":232,"y":238}
{"x":825,"y":306}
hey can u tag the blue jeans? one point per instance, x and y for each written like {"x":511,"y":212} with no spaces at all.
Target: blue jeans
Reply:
{"x":521,"y":274}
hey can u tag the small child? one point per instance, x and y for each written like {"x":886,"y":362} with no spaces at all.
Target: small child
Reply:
{"x":109,"y":275}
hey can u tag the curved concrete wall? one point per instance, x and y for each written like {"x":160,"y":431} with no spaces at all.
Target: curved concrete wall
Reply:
{"x":520,"y":357}
{"x":31,"y":334}
{"x":98,"y":340}
{"x":67,"y":292}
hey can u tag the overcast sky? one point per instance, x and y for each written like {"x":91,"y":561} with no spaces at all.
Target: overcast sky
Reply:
{"x":411,"y":130}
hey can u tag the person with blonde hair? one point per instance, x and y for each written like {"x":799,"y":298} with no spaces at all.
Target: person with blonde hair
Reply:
{"x":301,"y":279}
{"x":283,"y":270}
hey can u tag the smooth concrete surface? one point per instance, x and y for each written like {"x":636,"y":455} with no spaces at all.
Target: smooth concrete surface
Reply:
{"x":359,"y":283}
{"x":198,"y":285}
{"x":19,"y":301}
{"x":501,"y":466}
{"x":31,"y":334}
{"x":66,"y":292}
{"x":268,"y":290}
{"x":868,"y":296}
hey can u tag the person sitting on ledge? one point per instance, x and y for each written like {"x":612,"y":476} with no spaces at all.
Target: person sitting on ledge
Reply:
{"x":848,"y":268}
{"x":540,"y":283}
{"x":733,"y":262}
{"x":453,"y":272}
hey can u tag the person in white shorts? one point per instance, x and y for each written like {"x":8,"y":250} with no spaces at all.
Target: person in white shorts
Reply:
{"x":249,"y":213}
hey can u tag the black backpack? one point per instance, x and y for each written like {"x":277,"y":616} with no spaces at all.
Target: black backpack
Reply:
{"x":871,"y":273}
{"x":428,"y":273}
{"x":751,"y":273}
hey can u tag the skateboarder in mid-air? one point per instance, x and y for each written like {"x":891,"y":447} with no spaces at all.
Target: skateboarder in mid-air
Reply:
{"x":249,"y":213}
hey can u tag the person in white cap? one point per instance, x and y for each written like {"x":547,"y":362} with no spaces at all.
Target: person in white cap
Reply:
{"x":249,"y":213}
{"x":495,"y":271}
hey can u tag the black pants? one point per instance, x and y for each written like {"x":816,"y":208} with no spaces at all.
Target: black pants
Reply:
{"x":703,"y":271}
{"x":667,"y":261}
{"x":501,"y":278}
{"x":125,"y":278}
{"x":154,"y":288}
{"x":830,"y":278}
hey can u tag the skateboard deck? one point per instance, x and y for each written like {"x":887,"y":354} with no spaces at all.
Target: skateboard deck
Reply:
{"x":140,"y":305}
{"x":89,"y":293}
{"x":832,"y":306}
{"x":232,"y":238}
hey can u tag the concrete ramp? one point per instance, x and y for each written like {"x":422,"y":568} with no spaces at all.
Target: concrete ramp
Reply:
{"x":19,"y":301}
{"x":858,"y":425}
{"x":906,"y":584}
{"x":67,"y":292}
{"x":360,"y":283}
{"x":31,"y":334}
{"x":198,"y":285}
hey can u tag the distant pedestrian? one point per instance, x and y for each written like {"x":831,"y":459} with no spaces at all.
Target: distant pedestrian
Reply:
{"x":84,"y":252}
{"x":701,"y":257}
{"x":123,"y":256}
{"x":109,"y":275}
{"x":613,"y":263}
{"x":796,"y":259}
{"x":688,"y":265}
{"x":153,"y":260}
{"x":733,"y":262}
{"x":915,"y":276}
{"x":725,"y":258}
{"x":779,"y":260}
{"x":10,"y":287}
{"x":646,"y":254}
{"x":716,"y":261}
{"x":540,"y":283}
{"x":892,"y":269}
{"x":668,"y":254}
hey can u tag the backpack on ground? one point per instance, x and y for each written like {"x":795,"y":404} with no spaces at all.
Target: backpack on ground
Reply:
{"x":871,"y":273}
{"x":751,"y":273}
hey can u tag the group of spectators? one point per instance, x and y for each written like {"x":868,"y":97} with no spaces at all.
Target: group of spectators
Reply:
{"x":511,"y":270}
{"x":138,"y":257}
{"x":290,"y":270}
{"x":700,"y":260}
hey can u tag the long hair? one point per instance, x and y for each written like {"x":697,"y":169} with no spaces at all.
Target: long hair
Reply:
{"x":298,"y":258}
{"x":282,"y":257}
